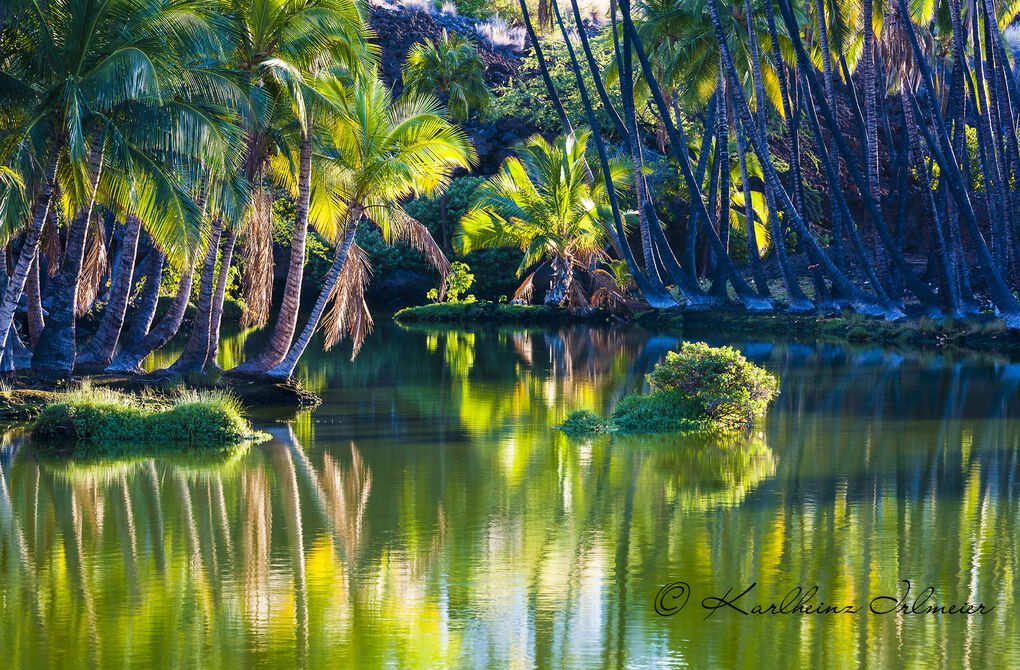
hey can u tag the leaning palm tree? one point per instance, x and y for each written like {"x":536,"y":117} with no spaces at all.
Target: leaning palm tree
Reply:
{"x":280,"y":43}
{"x":546,"y":202}
{"x":383,"y":153}
{"x":451,"y":68}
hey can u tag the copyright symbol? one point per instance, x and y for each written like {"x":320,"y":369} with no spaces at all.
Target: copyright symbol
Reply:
{"x":671,"y":598}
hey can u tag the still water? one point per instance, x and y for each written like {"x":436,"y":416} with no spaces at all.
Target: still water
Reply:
{"x":425,"y":516}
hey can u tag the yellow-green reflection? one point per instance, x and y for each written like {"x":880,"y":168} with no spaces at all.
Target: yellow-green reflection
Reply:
{"x":426,"y":516}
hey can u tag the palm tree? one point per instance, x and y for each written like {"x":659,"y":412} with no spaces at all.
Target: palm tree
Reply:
{"x":450,"y":68}
{"x":81,"y":93}
{"x":383,"y":152}
{"x":546,"y":203}
{"x":280,"y":43}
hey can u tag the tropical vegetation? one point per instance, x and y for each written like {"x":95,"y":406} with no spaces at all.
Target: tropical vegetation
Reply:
{"x":786,"y":156}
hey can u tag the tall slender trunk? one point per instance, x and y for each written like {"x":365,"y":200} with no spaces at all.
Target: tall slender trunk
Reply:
{"x":134,"y":352}
{"x":100,"y":350}
{"x":948,"y":290}
{"x":192,"y":359}
{"x":30,"y":245}
{"x":149,"y":299}
{"x":55,"y":351}
{"x":35,"y":310}
{"x":285,"y":368}
{"x":226,"y":256}
{"x":286,"y":321}
{"x":656,"y":296}
{"x":678,"y":146}
{"x":830,"y":90}
{"x":753,"y":252}
{"x":871,"y":148}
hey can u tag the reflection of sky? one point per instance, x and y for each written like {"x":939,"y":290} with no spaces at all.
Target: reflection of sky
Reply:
{"x":426,"y":516}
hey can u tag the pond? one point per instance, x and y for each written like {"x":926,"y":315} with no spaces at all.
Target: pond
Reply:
{"x":426,"y":516}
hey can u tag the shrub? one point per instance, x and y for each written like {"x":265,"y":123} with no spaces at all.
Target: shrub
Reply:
{"x":584,"y":422}
{"x":107,"y":420}
{"x":662,"y":412}
{"x":722,"y":385}
{"x":458,"y":283}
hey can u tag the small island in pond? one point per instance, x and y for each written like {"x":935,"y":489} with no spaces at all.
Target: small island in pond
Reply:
{"x":697,"y":389}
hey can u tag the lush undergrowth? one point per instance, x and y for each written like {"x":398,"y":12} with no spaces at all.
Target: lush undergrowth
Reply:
{"x":490,"y":312}
{"x":103,"y":422}
{"x":697,"y":389}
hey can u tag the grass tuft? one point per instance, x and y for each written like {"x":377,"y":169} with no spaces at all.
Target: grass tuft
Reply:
{"x":101,"y":421}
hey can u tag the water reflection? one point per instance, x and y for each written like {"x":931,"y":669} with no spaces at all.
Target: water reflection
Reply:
{"x":426,"y":516}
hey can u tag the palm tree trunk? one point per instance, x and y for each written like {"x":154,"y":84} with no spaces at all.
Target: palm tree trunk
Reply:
{"x":226,"y":256}
{"x":192,"y":359}
{"x":772,"y":181}
{"x":678,"y":145}
{"x":30,"y":245}
{"x":35,"y":310}
{"x":131,"y":356}
{"x":830,"y":91}
{"x":286,"y":321}
{"x":285,"y":368}
{"x":149,"y":299}
{"x":55,"y":351}
{"x":1001,"y":296}
{"x":753,"y":252}
{"x":100,"y":351}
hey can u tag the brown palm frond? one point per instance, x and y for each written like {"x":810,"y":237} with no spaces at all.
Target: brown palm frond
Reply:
{"x":257,"y":252}
{"x":526,"y":289}
{"x":577,"y":297}
{"x":607,"y":293}
{"x":418,"y":237}
{"x":348,"y":311}
{"x":94,"y":267}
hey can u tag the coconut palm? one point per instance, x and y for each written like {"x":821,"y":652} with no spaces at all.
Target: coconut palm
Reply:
{"x":450,"y":68}
{"x":83,"y":97}
{"x":280,"y":42}
{"x":546,"y":202}
{"x":382,"y":153}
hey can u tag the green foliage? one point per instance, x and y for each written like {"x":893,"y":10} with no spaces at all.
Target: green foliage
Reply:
{"x":526,"y":97}
{"x":459,"y":196}
{"x":723,"y":385}
{"x":458,"y":283}
{"x":662,"y":412}
{"x":584,"y":422}
{"x":449,"y":67}
{"x":699,"y":388}
{"x":107,"y":422}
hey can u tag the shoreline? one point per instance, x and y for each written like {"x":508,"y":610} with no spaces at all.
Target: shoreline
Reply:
{"x":981,"y":332}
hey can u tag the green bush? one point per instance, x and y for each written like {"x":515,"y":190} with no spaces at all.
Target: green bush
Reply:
{"x":722,"y":385}
{"x":458,"y":283}
{"x":584,"y":422}
{"x":107,"y":421}
{"x":663,"y":412}
{"x":699,"y":388}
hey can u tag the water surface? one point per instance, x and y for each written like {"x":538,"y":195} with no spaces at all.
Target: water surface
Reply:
{"x":426,"y":516}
